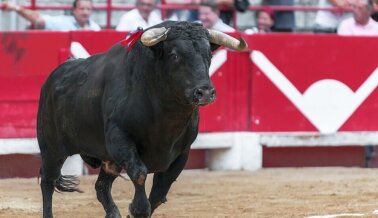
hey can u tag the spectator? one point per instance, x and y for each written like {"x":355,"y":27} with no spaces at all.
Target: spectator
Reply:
{"x":144,"y":15}
{"x":327,"y":21}
{"x":361,"y":24}
{"x":183,"y":15}
{"x":225,"y":15}
{"x":79,"y":20}
{"x":208,"y":13}
{"x":375,"y":13}
{"x":264,"y":22}
{"x":284,"y":20}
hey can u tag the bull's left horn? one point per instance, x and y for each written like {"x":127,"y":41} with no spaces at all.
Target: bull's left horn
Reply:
{"x":221,"y":38}
{"x":154,"y":36}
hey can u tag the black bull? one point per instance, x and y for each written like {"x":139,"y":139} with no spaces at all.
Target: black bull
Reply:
{"x":135,"y":111}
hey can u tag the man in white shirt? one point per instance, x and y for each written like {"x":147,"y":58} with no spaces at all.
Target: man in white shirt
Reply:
{"x":144,"y":15}
{"x":208,"y":14}
{"x":361,"y":24}
{"x":79,"y":20}
{"x":327,"y":21}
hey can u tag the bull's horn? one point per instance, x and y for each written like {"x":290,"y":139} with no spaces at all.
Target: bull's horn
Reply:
{"x":154,"y":36}
{"x":221,"y":38}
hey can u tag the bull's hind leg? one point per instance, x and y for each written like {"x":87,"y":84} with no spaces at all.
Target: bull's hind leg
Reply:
{"x":163,"y":181}
{"x":50,"y":173}
{"x":108,"y":173}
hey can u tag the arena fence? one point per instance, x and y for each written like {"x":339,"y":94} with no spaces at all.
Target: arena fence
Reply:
{"x":287,"y":90}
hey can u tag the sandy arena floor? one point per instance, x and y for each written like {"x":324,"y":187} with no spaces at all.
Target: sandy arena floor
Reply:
{"x":300,"y":192}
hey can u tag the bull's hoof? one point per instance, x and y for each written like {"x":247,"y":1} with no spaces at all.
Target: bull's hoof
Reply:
{"x":113,"y":214}
{"x":140,"y":211}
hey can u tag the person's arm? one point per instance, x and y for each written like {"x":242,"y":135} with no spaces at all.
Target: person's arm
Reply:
{"x":339,"y":3}
{"x":33,"y":16}
{"x":228,"y":3}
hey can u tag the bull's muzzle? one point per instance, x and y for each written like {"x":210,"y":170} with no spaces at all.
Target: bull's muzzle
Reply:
{"x":204,"y":95}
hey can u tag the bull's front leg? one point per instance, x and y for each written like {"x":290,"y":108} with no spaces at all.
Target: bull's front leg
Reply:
{"x":123,"y":151}
{"x":163,"y":181}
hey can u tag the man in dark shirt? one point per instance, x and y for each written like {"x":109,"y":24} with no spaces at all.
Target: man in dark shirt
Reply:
{"x":284,"y":20}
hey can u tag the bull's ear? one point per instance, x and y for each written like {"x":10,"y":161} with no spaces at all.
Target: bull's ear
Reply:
{"x":214,"y":47}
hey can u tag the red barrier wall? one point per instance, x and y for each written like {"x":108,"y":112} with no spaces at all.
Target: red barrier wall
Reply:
{"x":247,"y":98}
{"x":339,"y":65}
{"x":231,"y":109}
{"x":26,"y":58}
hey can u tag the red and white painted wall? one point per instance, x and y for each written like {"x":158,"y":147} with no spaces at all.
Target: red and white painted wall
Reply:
{"x":297,"y":95}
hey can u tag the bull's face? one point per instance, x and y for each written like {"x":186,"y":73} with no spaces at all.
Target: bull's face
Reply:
{"x":186,"y":67}
{"x":184,"y":59}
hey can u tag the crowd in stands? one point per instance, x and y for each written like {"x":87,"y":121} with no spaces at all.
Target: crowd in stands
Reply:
{"x":354,"y":17}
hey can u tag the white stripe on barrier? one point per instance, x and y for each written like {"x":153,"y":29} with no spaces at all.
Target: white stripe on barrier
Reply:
{"x":234,"y":150}
{"x":213,"y":141}
{"x":78,"y":51}
{"x":285,"y":139}
{"x":217,"y":61}
{"x":19,"y":146}
{"x":228,"y":151}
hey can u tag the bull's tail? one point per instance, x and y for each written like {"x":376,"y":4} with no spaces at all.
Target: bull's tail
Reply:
{"x":67,"y":184}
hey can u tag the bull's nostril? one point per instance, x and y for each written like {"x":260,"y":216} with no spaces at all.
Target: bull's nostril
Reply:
{"x":212,"y":92}
{"x":198,"y":93}
{"x":204,"y":95}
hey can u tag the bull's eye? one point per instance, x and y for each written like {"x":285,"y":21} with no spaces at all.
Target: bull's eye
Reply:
{"x":174,"y":57}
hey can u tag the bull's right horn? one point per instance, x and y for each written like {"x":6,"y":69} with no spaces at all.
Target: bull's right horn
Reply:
{"x":154,"y":36}
{"x":221,"y":38}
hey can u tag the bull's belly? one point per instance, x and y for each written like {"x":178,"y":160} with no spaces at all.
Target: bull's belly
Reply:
{"x":90,"y":145}
{"x":159,"y":161}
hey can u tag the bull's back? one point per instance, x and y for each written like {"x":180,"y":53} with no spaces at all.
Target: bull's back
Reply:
{"x":70,"y":104}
